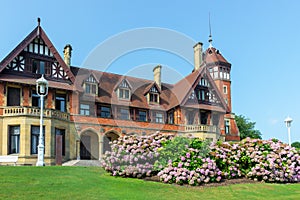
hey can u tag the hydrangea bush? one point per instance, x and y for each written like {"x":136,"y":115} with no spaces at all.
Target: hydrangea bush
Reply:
{"x":272,"y":161}
{"x":262,"y":160}
{"x":206,"y":172}
{"x":192,"y":161}
{"x":228,"y":159}
{"x":191,"y":164}
{"x":134,"y":156}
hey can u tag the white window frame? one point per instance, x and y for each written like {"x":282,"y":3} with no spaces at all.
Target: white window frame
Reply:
{"x":84,"y":109}
{"x":159,"y":117}
{"x":123,"y":95}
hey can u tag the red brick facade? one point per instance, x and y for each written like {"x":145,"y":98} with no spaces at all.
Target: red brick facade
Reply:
{"x":94,"y":107}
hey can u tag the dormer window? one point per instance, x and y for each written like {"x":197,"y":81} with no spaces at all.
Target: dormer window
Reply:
{"x":123,"y":90}
{"x":153,"y":95}
{"x":90,"y":88}
{"x":90,"y":85}
{"x":123,"y":93}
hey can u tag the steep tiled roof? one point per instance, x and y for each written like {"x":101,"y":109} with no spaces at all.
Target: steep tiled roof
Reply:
{"x":212,"y":55}
{"x":171,"y":95}
{"x":108,"y":83}
{"x":184,"y":86}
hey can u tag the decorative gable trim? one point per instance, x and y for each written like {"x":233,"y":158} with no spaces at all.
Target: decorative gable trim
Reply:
{"x":153,"y":87}
{"x":91,"y":79}
{"x":204,"y":80}
{"x":123,"y":83}
{"x":152,"y":93}
{"x":38,"y":32}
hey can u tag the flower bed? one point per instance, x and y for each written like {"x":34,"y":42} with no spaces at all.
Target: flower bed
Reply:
{"x":192,"y":161}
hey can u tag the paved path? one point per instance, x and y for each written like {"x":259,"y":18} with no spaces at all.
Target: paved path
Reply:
{"x":82,"y":163}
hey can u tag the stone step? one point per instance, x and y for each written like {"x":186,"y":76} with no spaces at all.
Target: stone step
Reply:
{"x":70,"y":163}
{"x":83,"y":163}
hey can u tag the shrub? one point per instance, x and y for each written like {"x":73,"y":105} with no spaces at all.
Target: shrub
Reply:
{"x":261,"y":160}
{"x":172,"y":150}
{"x":192,"y":161}
{"x":189,"y":165}
{"x":274,"y":162}
{"x":205,"y":173}
{"x":228,"y":159}
{"x":134,"y":156}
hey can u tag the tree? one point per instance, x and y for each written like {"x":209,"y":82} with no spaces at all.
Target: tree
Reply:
{"x":296,"y":145}
{"x":246,"y":127}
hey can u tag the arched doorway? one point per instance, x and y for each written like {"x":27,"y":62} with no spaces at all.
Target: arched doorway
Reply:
{"x":89,"y":146}
{"x":109,"y":137}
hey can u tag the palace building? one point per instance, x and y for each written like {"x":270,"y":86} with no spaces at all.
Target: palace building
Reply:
{"x":89,"y":108}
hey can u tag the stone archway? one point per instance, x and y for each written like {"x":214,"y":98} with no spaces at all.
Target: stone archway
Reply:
{"x":89,"y":145}
{"x":107,"y":138}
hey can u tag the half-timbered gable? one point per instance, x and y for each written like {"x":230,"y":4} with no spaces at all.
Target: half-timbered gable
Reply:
{"x":205,"y":92}
{"x":34,"y":56}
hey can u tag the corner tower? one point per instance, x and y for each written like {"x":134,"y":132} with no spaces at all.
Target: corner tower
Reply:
{"x":219,"y":69}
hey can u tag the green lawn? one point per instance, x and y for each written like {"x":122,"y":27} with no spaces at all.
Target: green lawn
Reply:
{"x":94,"y":183}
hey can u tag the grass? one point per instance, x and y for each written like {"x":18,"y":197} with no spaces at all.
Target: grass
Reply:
{"x":95,"y":183}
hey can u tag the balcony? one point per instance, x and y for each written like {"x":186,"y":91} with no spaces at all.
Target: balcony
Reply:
{"x":33,"y":111}
{"x":200,"y":128}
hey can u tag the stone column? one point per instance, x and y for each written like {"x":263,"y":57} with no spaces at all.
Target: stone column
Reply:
{"x":58,"y":150}
{"x":78,"y":149}
{"x":101,"y":147}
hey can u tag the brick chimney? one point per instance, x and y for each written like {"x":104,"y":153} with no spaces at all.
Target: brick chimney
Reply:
{"x":157,"y":75}
{"x":68,"y":54}
{"x":197,"y":55}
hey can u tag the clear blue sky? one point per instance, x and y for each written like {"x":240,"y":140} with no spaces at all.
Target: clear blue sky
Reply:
{"x":259,"y":38}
